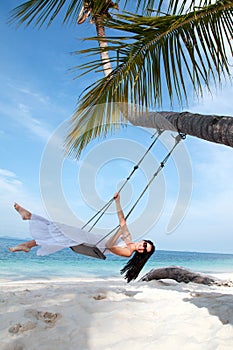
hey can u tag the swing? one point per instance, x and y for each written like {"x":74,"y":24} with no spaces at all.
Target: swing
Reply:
{"x":92,"y":250}
{"x":89,"y":250}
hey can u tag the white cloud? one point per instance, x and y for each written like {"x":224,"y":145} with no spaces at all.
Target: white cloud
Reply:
{"x":208,"y":222}
{"x":219,"y":103}
{"x":30,"y":108}
{"x":7,"y":173}
{"x":10,"y":186}
{"x":13,"y":190}
{"x":209,"y":219}
{"x":21,"y":114}
{"x":32,"y":94}
{"x":32,"y":124}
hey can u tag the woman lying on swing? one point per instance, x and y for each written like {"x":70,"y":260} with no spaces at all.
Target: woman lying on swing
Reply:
{"x":52,"y":236}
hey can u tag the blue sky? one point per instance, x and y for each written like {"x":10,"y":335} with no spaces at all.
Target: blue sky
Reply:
{"x":38,"y":97}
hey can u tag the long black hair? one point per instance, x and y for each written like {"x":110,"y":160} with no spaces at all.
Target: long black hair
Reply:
{"x":136,"y":263}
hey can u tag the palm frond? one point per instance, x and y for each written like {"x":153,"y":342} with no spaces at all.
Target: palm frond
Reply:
{"x":184,"y":49}
{"x":40,"y":12}
{"x":154,"y":7}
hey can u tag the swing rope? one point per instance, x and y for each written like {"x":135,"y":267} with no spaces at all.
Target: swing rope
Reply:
{"x":178,"y":138}
{"x":102,"y":211}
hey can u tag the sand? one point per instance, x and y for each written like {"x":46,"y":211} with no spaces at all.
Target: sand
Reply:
{"x":104,"y":314}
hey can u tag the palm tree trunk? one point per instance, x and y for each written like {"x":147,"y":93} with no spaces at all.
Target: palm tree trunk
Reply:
{"x":213,"y":128}
{"x":100,"y":30}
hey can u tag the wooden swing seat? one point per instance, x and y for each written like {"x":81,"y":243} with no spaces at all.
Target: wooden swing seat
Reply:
{"x":88,"y":250}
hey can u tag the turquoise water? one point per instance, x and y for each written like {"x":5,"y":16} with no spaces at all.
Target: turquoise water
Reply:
{"x":65,"y":263}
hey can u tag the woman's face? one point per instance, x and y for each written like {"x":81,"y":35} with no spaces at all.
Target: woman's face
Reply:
{"x":143,"y":247}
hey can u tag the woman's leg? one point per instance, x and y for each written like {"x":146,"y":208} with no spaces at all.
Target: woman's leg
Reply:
{"x":25,"y":214}
{"x":24,"y":247}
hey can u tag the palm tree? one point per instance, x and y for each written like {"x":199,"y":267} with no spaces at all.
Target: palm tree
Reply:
{"x":45,"y":11}
{"x":97,"y":11}
{"x":177,"y":48}
{"x":160,"y":53}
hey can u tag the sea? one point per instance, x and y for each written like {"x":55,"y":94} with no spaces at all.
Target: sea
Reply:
{"x":65,"y":263}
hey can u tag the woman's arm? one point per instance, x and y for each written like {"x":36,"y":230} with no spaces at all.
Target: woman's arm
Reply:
{"x":112,"y":240}
{"x":120,"y":213}
{"x":123,"y":228}
{"x":121,"y":251}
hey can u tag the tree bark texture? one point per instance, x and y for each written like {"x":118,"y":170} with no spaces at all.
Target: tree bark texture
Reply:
{"x":180,"y":274}
{"x":213,"y":128}
{"x":100,"y":30}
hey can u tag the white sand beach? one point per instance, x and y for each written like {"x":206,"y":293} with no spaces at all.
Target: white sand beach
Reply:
{"x":94,"y":314}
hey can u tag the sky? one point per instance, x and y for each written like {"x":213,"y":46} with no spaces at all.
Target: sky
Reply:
{"x":188,"y":207}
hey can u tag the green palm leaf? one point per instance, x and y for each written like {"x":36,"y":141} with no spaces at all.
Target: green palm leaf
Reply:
{"x":40,"y":12}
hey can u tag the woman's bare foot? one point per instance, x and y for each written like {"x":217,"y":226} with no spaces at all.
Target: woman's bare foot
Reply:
{"x":24,"y":247}
{"x":20,"y":248}
{"x":25,"y":214}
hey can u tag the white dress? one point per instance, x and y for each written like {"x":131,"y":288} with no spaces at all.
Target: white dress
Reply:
{"x":52,"y":236}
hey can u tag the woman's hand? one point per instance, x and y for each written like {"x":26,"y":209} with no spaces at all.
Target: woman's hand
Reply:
{"x":117,"y":197}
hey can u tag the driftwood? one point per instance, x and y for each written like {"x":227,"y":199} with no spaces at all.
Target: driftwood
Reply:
{"x":180,"y":274}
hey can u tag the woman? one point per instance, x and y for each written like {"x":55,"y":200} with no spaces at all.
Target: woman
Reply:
{"x":52,"y":236}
